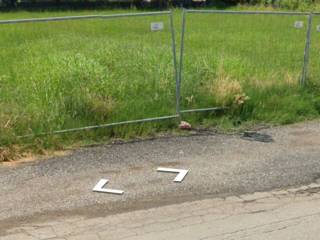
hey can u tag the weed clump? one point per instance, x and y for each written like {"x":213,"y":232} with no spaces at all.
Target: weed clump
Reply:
{"x":226,"y":91}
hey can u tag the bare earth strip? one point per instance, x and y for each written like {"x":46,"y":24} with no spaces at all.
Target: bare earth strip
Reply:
{"x":52,"y":199}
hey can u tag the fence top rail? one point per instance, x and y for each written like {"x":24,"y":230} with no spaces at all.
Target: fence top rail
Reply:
{"x":248,"y":12}
{"x":53,"y":19}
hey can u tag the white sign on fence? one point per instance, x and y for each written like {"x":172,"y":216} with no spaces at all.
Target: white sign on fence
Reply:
{"x":157,"y":26}
{"x":318,"y":28}
{"x":298,"y":24}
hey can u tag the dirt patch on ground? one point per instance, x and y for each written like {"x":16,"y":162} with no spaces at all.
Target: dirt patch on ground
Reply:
{"x":29,"y":157}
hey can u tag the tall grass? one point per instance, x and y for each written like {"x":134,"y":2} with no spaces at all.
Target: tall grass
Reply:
{"x":61,"y":75}
{"x":77,"y":73}
{"x":255,"y":58}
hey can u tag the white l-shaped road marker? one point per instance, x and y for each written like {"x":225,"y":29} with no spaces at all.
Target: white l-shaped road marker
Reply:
{"x":101,"y":184}
{"x":181,"y":173}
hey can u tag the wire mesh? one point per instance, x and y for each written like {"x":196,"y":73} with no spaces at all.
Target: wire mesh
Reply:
{"x":228,"y":56}
{"x":60,"y":74}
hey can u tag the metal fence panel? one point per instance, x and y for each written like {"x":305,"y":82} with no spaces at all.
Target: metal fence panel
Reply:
{"x":314,"y":62}
{"x":223,"y":52}
{"x":60,"y":75}
{"x":101,"y":73}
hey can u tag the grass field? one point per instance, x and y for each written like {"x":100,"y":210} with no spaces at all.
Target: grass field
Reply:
{"x":70,"y":74}
{"x":259,"y":57}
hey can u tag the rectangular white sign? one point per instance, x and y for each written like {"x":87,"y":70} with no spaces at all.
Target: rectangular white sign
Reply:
{"x":157,"y":26}
{"x":298,"y":24}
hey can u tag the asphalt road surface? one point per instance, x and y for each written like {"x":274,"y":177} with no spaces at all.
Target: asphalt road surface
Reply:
{"x":220,"y":166}
{"x":290,"y":214}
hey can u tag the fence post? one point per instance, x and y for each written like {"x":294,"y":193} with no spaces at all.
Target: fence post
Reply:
{"x":183,"y":27}
{"x":306,"y":52}
{"x":175,"y":64}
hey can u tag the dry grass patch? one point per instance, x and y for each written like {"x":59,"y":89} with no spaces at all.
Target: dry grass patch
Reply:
{"x":225,"y":90}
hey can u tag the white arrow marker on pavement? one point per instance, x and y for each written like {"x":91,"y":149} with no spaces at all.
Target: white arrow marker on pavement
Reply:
{"x":101,"y":184}
{"x":181,"y":173}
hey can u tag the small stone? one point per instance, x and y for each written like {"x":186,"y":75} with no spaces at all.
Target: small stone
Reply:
{"x":302,"y":188}
{"x":185,"y":125}
{"x":280,"y":192}
{"x":248,"y":197}
{"x":260,"y":195}
{"x":233,"y":199}
{"x":314,"y":185}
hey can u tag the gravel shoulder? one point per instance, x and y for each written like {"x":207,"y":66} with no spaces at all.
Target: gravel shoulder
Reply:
{"x":220,"y":166}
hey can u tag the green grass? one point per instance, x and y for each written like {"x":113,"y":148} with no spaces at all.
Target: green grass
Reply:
{"x":260,"y":57}
{"x":77,"y":73}
{"x":61,"y":75}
